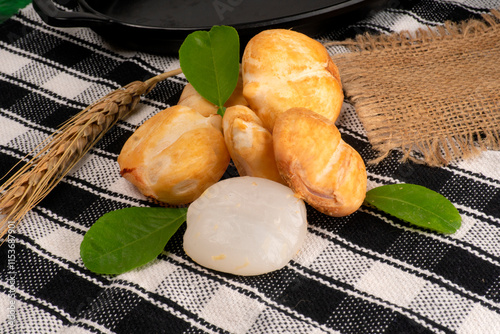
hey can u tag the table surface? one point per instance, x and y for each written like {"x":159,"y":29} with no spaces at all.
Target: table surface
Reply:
{"x":364,"y":273}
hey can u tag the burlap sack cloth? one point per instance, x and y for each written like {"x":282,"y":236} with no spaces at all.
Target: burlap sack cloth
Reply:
{"x":433,"y":94}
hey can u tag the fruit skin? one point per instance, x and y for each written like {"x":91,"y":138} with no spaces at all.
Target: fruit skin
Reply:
{"x":284,"y":69}
{"x":250,"y":144}
{"x":317,"y":164}
{"x":175,"y":155}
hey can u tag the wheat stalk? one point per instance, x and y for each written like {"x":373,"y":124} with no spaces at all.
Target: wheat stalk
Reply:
{"x":34,"y":180}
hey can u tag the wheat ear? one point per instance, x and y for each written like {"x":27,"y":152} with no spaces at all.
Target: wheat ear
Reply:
{"x":63,"y":149}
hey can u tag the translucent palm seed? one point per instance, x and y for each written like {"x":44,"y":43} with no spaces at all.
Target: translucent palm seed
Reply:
{"x":245,"y":226}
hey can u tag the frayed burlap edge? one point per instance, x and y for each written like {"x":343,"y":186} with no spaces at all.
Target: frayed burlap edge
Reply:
{"x":434,"y":112}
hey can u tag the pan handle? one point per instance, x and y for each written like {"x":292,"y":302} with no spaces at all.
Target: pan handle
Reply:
{"x":53,"y":16}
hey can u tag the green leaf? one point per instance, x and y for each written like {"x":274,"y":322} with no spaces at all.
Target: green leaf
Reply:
{"x":124,"y":239}
{"x":210,"y":62}
{"x":417,"y":205}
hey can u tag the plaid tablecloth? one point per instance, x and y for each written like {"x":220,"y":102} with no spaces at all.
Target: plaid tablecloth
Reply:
{"x":365,"y":273}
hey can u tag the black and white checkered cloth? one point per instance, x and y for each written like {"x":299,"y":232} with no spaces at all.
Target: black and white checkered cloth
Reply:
{"x":365,"y":273}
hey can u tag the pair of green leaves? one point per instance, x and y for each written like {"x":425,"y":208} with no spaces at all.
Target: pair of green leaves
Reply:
{"x":210,"y":62}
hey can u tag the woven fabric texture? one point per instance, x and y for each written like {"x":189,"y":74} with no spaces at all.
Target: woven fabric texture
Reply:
{"x":433,"y":93}
{"x":364,"y":273}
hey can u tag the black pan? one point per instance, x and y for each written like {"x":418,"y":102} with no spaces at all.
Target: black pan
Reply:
{"x":160,"y":26}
